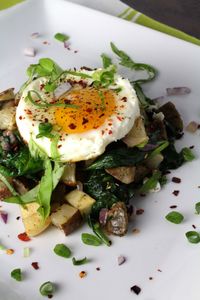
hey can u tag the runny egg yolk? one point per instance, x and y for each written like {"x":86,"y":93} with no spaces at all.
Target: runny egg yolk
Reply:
{"x":94,"y":107}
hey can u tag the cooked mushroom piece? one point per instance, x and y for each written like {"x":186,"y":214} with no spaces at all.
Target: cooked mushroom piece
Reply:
{"x":123,"y":174}
{"x":7,"y":118}
{"x":7,"y":95}
{"x":137,"y":135}
{"x":117,"y":223}
{"x":172,"y":116}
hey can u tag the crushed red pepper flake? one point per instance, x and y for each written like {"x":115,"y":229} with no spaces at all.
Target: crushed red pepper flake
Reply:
{"x":18,"y":218}
{"x":35,"y":265}
{"x":82,"y":274}
{"x":194,"y":226}
{"x":110,"y":132}
{"x":159,"y":270}
{"x":191,"y":147}
{"x":98,"y":269}
{"x":23,"y":237}
{"x":136,"y":289}
{"x":173,"y":206}
{"x":150,"y":278}
{"x":139,"y":211}
{"x":175,"y":192}
{"x":176,"y":179}
{"x":72,"y":126}
{"x":20,"y":117}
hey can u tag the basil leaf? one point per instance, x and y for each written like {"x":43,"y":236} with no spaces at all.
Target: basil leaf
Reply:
{"x":90,"y":239}
{"x":187,"y":154}
{"x":151,"y":183}
{"x":174,"y":217}
{"x":144,"y":101}
{"x":47,"y":64}
{"x":79,"y":261}
{"x":62,"y":250}
{"x":8,"y":185}
{"x":47,"y":289}
{"x":45,"y":130}
{"x":99,"y":232}
{"x":54,"y":146}
{"x":197,"y":208}
{"x":61,"y":37}
{"x":16,"y":274}
{"x":161,"y":146}
{"x":127,"y":62}
{"x":106,"y":61}
{"x":193,"y":237}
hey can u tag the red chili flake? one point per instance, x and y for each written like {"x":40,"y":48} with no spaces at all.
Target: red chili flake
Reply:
{"x":18,"y":218}
{"x":119,"y":118}
{"x":102,"y":131}
{"x":173,"y":206}
{"x":59,"y":146}
{"x":35,"y":265}
{"x":82,"y":274}
{"x":110,"y":132}
{"x":29,"y":112}
{"x":176,"y":192}
{"x":109,"y":124}
{"x":84,"y":121}
{"x":101,"y":115}
{"x":136,"y":289}
{"x":159,"y":270}
{"x":139,"y":211}
{"x":72,"y":126}
{"x":124,"y":99}
{"x":150,"y":278}
{"x":194,"y":226}
{"x":191,"y":147}
{"x":121,"y":106}
{"x":20,"y":117}
{"x":23,"y":237}
{"x":75,"y":51}
{"x":41,"y":86}
{"x":98,"y":269}
{"x":176,"y":179}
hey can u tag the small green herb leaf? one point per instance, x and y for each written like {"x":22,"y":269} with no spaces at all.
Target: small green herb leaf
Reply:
{"x":45,"y":130}
{"x":174,"y":217}
{"x":106,"y":60}
{"x":47,"y":64}
{"x":62,"y":250}
{"x":187,"y":154}
{"x":193,"y":237}
{"x":16,"y":274}
{"x":197,"y":208}
{"x":61,"y":37}
{"x":90,"y":239}
{"x":78,"y":262}
{"x":151,"y":182}
{"x":47,"y":288}
{"x":99,"y":232}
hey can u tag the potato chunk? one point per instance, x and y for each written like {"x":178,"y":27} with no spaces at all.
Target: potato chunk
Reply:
{"x":81,"y":201}
{"x":7,"y":118}
{"x":66,"y":218}
{"x":32,"y":220}
{"x":7,"y":95}
{"x":123,"y":174}
{"x":137,"y":135}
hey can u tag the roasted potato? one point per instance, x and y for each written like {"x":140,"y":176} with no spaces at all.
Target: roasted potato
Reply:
{"x":123,"y":174}
{"x":7,"y":95}
{"x":137,"y":135}
{"x":67,"y":218}
{"x":7,"y":118}
{"x":154,"y":162}
{"x":32,"y":220}
{"x":81,"y":201}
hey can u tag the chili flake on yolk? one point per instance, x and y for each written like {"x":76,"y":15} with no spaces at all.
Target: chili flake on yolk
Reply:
{"x":94,"y":107}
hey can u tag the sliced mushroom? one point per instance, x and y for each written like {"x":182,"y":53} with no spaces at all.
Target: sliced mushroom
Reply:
{"x":137,"y":135}
{"x":7,"y":95}
{"x":123,"y":174}
{"x":7,"y":118}
{"x":117,"y":223}
{"x":172,"y":116}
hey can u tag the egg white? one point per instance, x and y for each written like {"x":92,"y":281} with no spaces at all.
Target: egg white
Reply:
{"x":78,"y":146}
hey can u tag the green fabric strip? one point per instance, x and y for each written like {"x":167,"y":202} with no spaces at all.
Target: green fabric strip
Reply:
{"x":151,"y":23}
{"x":8,"y":3}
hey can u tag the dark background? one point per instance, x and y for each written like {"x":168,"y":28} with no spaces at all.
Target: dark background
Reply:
{"x":181,"y":14}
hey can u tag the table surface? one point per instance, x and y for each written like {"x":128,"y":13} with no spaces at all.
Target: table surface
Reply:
{"x":181,"y":14}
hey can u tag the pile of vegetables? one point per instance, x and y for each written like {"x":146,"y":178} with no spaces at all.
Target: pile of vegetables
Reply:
{"x":99,"y":191}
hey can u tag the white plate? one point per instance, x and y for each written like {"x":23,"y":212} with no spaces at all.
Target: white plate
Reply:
{"x":160,"y":244}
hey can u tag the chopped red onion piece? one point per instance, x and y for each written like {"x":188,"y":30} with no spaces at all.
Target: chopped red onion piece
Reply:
{"x":35,"y":35}
{"x":66,"y":44}
{"x":192,"y":127}
{"x":178,"y":91}
{"x":4,"y":216}
{"x":103,"y":214}
{"x":29,"y":51}
{"x":121,"y":259}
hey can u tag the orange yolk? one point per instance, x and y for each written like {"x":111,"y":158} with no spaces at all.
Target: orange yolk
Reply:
{"x":94,"y":107}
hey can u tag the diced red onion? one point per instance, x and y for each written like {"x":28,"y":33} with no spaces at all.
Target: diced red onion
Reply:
{"x":192,"y":127}
{"x":4,"y":216}
{"x":29,"y":51}
{"x":121,"y":259}
{"x":178,"y":91}
{"x":35,"y":35}
{"x":79,"y":186}
{"x":103,"y":214}
{"x":66,"y":45}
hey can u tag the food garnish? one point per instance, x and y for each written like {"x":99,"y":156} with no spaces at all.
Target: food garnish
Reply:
{"x":174,"y":217}
{"x":16,"y":274}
